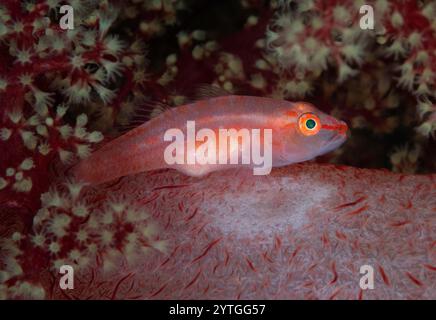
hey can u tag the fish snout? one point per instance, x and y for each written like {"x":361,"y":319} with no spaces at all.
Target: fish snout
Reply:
{"x":335,"y":127}
{"x":339,"y":133}
{"x":343,"y":128}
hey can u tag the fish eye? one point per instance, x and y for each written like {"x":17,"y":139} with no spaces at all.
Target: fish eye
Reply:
{"x":309,"y":124}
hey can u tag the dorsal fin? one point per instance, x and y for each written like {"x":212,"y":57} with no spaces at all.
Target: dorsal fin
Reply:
{"x":159,"y":108}
{"x":151,"y":109}
{"x":206,"y":91}
{"x":146,"y":112}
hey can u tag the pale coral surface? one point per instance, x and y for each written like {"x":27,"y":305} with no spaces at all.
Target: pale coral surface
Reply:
{"x":302,"y":232}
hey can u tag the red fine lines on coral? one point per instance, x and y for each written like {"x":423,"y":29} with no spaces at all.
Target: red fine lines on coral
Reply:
{"x":159,"y":291}
{"x":209,"y":246}
{"x":311,"y":267}
{"x":414,"y":279}
{"x":325,"y":239}
{"x":340,"y":235}
{"x":354,"y":212}
{"x":117,"y":286}
{"x":400,"y":223}
{"x":384,"y":276}
{"x":267,"y":258}
{"x":277,"y":243}
{"x":227,"y":259}
{"x":215,"y":268}
{"x":335,"y":274}
{"x":68,"y":296}
{"x":151,"y":199}
{"x":335,"y":293}
{"x":408,"y":205}
{"x":294,"y":254}
{"x":174,"y":186}
{"x":357,"y":211}
{"x":429,"y":267}
{"x":351,"y":203}
{"x":250,"y":264}
{"x":192,"y":215}
{"x":201,"y":228}
{"x":193,"y":280}
{"x":91,"y":280}
{"x":171,"y":255}
{"x":168,"y":223}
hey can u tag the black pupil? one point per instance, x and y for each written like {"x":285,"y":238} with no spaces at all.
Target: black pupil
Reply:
{"x":310,"y":124}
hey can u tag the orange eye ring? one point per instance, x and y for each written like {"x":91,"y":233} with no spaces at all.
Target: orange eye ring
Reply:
{"x":309,"y":124}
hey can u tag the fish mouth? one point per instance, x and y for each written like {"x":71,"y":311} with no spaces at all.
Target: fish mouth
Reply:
{"x":334,"y":142}
{"x":341,"y":132}
{"x":337,"y":136}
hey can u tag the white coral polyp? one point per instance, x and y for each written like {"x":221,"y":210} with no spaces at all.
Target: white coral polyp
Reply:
{"x":117,"y":231}
{"x":297,"y":44}
{"x":59,"y":225}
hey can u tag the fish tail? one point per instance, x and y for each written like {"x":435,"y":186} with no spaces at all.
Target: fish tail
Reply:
{"x":120,"y":157}
{"x":93,"y":170}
